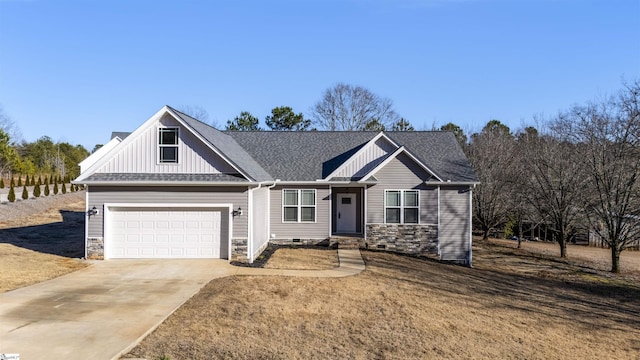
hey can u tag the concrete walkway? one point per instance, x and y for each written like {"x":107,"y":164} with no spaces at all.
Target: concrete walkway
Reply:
{"x":104,"y":310}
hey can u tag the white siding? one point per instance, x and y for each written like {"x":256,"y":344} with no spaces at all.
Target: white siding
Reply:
{"x":99,"y":195}
{"x":455,"y":223}
{"x":367,"y":159}
{"x":141,"y":155}
{"x":402,"y":173}
{"x":260,"y":213}
{"x":303,"y":230}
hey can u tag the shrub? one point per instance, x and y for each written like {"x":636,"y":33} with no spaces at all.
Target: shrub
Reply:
{"x":36,"y":190}
{"x":33,"y":180}
{"x":12,"y":195}
{"x":1,"y":183}
{"x":46,"y":190}
{"x":55,"y":188}
{"x":39,"y":182}
{"x":25,"y":193}
{"x":27,"y":181}
{"x":13,"y":183}
{"x":19,"y":180}
{"x":73,"y":187}
{"x":46,"y":181}
{"x":64,"y":188}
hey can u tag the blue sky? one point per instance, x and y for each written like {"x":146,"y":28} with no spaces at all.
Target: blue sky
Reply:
{"x":77,"y":70}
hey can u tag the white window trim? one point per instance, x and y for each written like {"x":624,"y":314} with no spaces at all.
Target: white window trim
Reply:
{"x":299,"y":206}
{"x":160,"y":146}
{"x":401,"y":207}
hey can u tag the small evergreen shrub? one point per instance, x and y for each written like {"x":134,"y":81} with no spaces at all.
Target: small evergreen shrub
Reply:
{"x":25,"y":193}
{"x":13,"y":183}
{"x":12,"y":195}
{"x":19,"y":180}
{"x":1,"y":183}
{"x":55,"y":188}
{"x":46,"y":181}
{"x":33,"y":180}
{"x":46,"y":190}
{"x":36,"y":190}
{"x":27,"y":181}
{"x":73,"y":188}
{"x":64,"y":188}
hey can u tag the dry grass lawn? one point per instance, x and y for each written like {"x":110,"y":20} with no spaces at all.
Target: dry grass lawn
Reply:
{"x":512,"y":305}
{"x":303,"y":259}
{"x":41,"y":246}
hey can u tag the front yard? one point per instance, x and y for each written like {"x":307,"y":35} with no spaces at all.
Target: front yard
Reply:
{"x":514,"y":304}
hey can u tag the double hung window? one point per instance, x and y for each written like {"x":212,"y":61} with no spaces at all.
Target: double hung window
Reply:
{"x":299,"y":205}
{"x":401,"y":207}
{"x":168,"y":145}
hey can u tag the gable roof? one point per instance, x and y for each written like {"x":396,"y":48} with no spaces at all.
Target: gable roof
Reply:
{"x":312,"y":155}
{"x":226,"y":145}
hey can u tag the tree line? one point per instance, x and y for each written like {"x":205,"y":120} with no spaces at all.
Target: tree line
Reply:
{"x":40,"y":157}
{"x":575,"y":172}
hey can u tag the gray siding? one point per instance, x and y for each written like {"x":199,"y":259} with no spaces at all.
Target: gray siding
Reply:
{"x":260,"y":213}
{"x":141,"y":155}
{"x":402,"y":173}
{"x":365,"y":161}
{"x":99,"y":195}
{"x":317,"y":230}
{"x":455,"y":223}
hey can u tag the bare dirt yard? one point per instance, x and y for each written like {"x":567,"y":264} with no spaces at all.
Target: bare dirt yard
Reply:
{"x":40,"y":239}
{"x":514,"y":304}
{"x":303,"y":259}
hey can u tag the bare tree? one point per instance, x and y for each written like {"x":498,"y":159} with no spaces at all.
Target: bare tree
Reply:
{"x":198,"y":112}
{"x":346,"y":107}
{"x":490,"y":154}
{"x":555,"y":182}
{"x":608,"y":135}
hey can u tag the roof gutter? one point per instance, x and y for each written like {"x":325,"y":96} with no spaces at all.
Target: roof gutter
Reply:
{"x":165,"y":183}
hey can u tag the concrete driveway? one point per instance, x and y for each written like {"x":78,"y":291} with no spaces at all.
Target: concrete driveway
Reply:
{"x":101,"y":311}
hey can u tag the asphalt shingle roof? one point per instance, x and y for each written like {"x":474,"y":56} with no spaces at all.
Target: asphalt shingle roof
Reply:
{"x":312,"y":155}
{"x":149,"y":177}
{"x":227,"y":146}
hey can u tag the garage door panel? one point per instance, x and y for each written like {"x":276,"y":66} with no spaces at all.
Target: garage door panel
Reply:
{"x":166,"y":233}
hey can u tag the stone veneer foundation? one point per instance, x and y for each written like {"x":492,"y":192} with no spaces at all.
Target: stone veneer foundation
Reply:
{"x":95,"y":248}
{"x":239,"y":249}
{"x":403,"y":238}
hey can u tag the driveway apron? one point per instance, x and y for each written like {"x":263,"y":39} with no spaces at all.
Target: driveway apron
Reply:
{"x":100,"y":311}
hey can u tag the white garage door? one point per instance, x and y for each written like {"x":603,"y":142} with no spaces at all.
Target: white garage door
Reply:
{"x":167,"y":233}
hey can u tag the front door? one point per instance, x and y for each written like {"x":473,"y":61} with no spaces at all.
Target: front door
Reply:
{"x":346,"y":213}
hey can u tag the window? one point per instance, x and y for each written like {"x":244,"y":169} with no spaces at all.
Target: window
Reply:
{"x":401,"y":207}
{"x":168,"y":145}
{"x":299,"y":205}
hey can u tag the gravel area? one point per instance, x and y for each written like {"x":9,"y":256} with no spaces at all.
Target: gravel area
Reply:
{"x":23,"y":208}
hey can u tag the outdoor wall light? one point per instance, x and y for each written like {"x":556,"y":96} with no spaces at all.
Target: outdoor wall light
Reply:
{"x":92,"y":211}
{"x":237,"y":212}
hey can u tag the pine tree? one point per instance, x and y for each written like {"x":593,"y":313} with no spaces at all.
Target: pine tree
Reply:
{"x":64,"y":188}
{"x":25,"y":193}
{"x":19,"y":180}
{"x":46,"y":190}
{"x":39,"y":182}
{"x":46,"y":181}
{"x":33,"y":180}
{"x":12,"y":195}
{"x":55,"y":188}
{"x":26,"y":180}
{"x":1,"y":183}
{"x":36,"y":190}
{"x":13,"y":183}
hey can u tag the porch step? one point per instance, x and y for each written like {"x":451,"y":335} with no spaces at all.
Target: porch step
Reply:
{"x":346,"y":242}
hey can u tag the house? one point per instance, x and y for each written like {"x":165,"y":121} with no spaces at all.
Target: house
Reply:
{"x":178,"y":188}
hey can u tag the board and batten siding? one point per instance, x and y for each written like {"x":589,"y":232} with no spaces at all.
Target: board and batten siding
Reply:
{"x":402,"y":173}
{"x":302,"y":230}
{"x":455,"y":223}
{"x":99,"y":195}
{"x":260,"y":213}
{"x":141,"y":154}
{"x":366,"y":160}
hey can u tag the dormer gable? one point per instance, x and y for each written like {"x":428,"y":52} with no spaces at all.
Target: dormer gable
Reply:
{"x":365,"y":159}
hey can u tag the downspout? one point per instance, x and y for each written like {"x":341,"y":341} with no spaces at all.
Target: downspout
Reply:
{"x":269,"y":209}
{"x":250,"y":223}
{"x":470,"y":258}
{"x":86,"y":223}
